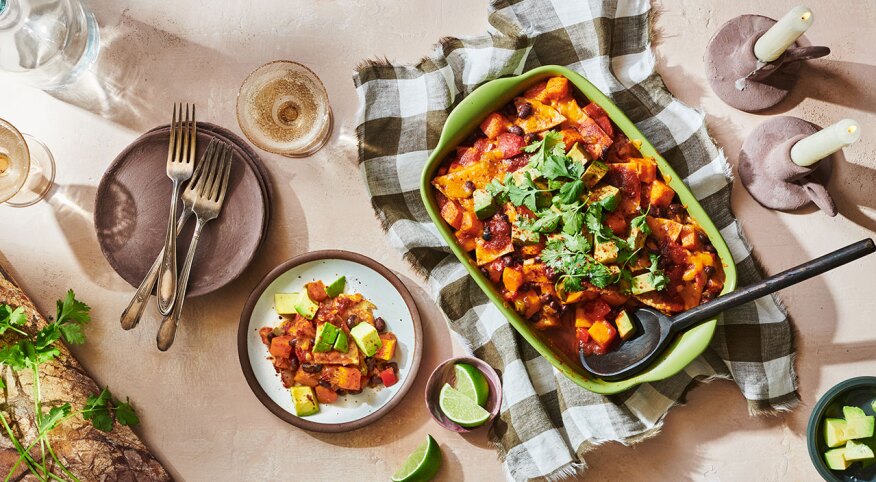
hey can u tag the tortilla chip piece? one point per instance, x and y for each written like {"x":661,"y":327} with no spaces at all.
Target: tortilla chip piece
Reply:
{"x":543,"y":117}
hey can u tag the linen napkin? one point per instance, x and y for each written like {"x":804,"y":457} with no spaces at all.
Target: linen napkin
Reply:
{"x":547,"y":423}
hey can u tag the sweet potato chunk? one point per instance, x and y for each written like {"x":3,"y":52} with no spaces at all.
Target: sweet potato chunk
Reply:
{"x":557,"y":88}
{"x":512,"y":279}
{"x":537,"y":92}
{"x":462,"y":183}
{"x":451,"y":213}
{"x":661,"y":195}
{"x":494,"y":125}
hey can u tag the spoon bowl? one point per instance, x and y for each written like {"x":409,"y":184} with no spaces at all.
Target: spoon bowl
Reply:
{"x":655,"y":330}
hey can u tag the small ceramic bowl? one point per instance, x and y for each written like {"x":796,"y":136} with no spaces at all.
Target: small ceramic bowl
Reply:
{"x":444,"y":374}
{"x":859,"y":392}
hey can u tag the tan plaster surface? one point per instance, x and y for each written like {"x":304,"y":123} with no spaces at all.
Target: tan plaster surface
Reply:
{"x":198,"y":413}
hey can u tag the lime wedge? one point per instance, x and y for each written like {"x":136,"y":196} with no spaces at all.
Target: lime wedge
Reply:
{"x":421,"y":465}
{"x":460,"y":408}
{"x":471,"y":383}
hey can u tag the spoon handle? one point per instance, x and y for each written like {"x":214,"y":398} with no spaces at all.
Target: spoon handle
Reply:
{"x":772,"y":284}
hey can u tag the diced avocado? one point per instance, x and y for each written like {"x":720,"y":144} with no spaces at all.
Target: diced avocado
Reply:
{"x":518,"y":175}
{"x":594,"y":174}
{"x":871,"y":442}
{"x":853,"y":412}
{"x":336,"y":287}
{"x":643,"y":283}
{"x":625,"y":326}
{"x":326,"y":335}
{"x":638,"y":237}
{"x":835,"y":432}
{"x":305,"y":306}
{"x":606,"y":252}
{"x":836,"y":460}
{"x":578,"y":154}
{"x":367,"y":338}
{"x":858,"y":428}
{"x":483,"y":204}
{"x":608,"y":197}
{"x":284,"y":303}
{"x":523,"y":237}
{"x":856,"y":451}
{"x":304,"y":400}
{"x":342,"y":343}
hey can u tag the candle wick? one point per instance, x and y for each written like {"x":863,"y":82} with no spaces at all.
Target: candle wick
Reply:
{"x":852,"y":129}
{"x":806,"y":15}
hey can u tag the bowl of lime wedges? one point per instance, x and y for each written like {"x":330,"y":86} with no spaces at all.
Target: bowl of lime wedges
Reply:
{"x":841,"y":435}
{"x":464,"y":394}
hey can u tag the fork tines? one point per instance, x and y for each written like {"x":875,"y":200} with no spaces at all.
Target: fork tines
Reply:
{"x":183,"y":135}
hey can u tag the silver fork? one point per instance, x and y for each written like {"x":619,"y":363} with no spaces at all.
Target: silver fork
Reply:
{"x":210,"y":194}
{"x":180,"y":165}
{"x":131,"y":315}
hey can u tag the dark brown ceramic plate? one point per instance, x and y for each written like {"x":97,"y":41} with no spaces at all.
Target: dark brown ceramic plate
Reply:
{"x":364,"y":275}
{"x":130,"y":216}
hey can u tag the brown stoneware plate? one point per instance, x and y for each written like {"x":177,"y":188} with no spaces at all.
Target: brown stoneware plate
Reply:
{"x":130,"y":216}
{"x":444,"y":373}
{"x":364,"y":275}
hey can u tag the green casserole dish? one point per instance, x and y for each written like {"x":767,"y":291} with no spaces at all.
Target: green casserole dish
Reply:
{"x":465,"y":119}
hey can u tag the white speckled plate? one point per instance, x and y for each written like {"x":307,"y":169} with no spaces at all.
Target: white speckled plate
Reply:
{"x":364,"y":275}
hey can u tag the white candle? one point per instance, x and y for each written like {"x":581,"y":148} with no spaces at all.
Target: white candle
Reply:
{"x":809,"y":150}
{"x":784,"y":33}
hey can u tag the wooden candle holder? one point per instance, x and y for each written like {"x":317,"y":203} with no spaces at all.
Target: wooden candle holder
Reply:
{"x":773,"y":179}
{"x":739,"y":78}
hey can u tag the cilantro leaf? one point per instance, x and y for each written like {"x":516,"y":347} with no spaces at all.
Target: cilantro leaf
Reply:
{"x":50,"y":420}
{"x":552,"y":143}
{"x":554,"y":167}
{"x":573,"y":222}
{"x":657,"y":276}
{"x":97,"y":410}
{"x":125,"y":413}
{"x":524,"y":193}
{"x":73,"y":333}
{"x":71,"y":309}
{"x":570,"y":191}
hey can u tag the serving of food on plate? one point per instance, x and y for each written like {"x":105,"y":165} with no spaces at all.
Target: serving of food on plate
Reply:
{"x":571,"y":223}
{"x":329,"y":343}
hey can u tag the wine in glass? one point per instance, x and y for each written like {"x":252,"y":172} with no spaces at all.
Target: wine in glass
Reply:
{"x":282,"y":107}
{"x":27,"y":169}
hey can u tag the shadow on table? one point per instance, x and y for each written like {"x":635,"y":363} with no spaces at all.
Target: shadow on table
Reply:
{"x":128,"y":84}
{"x":73,"y":207}
{"x":852,"y":189}
{"x":835,"y":82}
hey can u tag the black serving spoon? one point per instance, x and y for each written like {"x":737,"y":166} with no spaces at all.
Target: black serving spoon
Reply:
{"x":654,"y":330}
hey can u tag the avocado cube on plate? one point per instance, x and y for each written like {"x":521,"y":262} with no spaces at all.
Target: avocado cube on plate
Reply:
{"x":637,"y":237}
{"x":366,"y":338}
{"x":625,"y":326}
{"x":285,"y":303}
{"x":594,"y":174}
{"x":835,"y":432}
{"x":578,"y":154}
{"x":850,"y":412}
{"x":483,"y":204}
{"x":304,"y":401}
{"x":342,"y":343}
{"x":858,"y":428}
{"x":836,"y":460}
{"x":523,"y":237}
{"x":336,"y":287}
{"x":606,"y":252}
{"x":326,"y":335}
{"x":856,"y":452}
{"x":643,"y":283}
{"x":305,"y":306}
{"x":608,"y":197}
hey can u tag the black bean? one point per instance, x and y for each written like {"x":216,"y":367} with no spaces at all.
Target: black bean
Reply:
{"x":311,"y":367}
{"x":710,"y":270}
{"x":393,"y":365}
{"x":325,"y":384}
{"x":509,"y":110}
{"x":369,"y":363}
{"x":551,"y":274}
{"x":270,"y":337}
{"x":676,"y":209}
{"x":341,"y":392}
{"x":703,"y":237}
{"x":658,"y":212}
{"x":554,"y":304}
{"x":351,"y":321}
{"x":293,"y":363}
{"x":530,"y":138}
{"x":524,"y":110}
{"x":710,"y":248}
{"x":545,"y":298}
{"x":376,"y":380}
{"x":469,"y":186}
{"x":487,"y":234}
{"x":516,"y":130}
{"x":379,"y":323}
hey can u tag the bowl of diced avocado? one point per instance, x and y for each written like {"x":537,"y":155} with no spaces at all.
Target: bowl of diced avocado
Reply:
{"x":841,"y":434}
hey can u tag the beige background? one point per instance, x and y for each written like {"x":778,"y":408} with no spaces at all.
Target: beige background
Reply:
{"x":198,"y":413}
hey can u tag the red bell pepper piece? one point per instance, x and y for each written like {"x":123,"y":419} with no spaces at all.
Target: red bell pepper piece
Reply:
{"x":389,"y":377}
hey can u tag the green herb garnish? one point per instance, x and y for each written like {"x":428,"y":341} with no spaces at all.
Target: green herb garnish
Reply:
{"x":28,"y":353}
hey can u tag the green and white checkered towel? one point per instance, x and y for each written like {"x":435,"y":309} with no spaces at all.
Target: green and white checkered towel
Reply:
{"x":548,"y":423}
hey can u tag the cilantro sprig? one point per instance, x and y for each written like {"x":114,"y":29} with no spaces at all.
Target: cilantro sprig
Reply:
{"x":656,"y":275}
{"x":31,"y":350}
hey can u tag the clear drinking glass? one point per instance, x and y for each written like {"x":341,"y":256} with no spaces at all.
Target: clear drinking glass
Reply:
{"x":47,"y":42}
{"x":27,"y":169}
{"x":282,"y":107}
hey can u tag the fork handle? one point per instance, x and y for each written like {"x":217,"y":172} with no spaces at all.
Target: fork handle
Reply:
{"x":167,"y":331}
{"x":167,"y":278}
{"x":132,"y":314}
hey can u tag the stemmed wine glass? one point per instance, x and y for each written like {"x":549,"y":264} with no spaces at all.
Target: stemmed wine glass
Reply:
{"x":27,"y":168}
